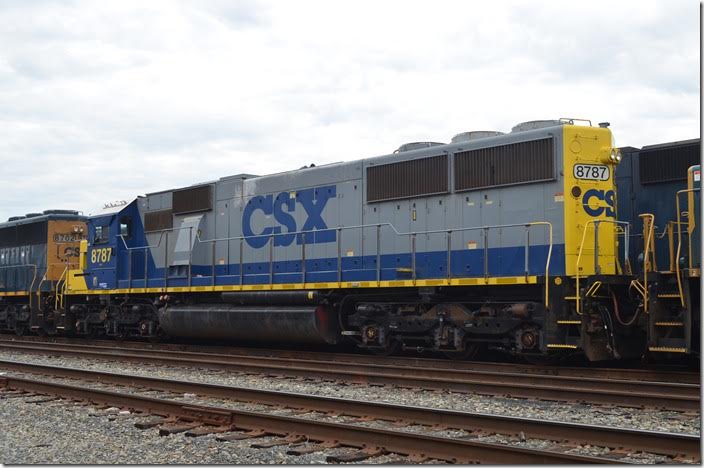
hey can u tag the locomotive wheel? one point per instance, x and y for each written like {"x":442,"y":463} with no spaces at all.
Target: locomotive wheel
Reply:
{"x":20,"y":330}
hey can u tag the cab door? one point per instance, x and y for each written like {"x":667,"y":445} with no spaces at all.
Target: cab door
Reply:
{"x":102,"y":253}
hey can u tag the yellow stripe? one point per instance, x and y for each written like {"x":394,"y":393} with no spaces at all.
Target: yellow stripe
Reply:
{"x":669,"y":324}
{"x":14,"y":293}
{"x":569,"y":322}
{"x":562,"y":346}
{"x":665,"y":349}
{"x":330,"y":285}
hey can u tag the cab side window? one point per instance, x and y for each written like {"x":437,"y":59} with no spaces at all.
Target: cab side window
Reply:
{"x":126,"y":227}
{"x":102,"y":235}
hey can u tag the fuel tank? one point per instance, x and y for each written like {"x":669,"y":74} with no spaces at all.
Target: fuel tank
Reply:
{"x":281,"y":324}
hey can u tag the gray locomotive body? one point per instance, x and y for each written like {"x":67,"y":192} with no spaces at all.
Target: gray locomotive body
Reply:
{"x":447,"y":247}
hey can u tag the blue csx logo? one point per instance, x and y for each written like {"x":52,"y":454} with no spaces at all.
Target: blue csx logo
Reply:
{"x":601,"y":195}
{"x":312,"y":200}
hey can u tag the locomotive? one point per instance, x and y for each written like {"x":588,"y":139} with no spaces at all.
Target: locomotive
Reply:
{"x":663,"y":182}
{"x":511,"y":242}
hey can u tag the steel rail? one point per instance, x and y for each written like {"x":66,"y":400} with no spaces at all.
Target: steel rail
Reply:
{"x":560,"y":388}
{"x":429,"y":370}
{"x":671,"y":444}
{"x":403,"y":443}
{"x":229,"y":352}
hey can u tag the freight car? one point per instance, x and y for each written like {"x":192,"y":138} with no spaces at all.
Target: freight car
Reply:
{"x":502,"y":241}
{"x":663,"y":181}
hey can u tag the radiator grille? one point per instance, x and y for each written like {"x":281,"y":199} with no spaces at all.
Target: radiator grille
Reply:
{"x":193,"y":199}
{"x":158,"y":220}
{"x":417,"y":177}
{"x":24,"y":234}
{"x":529,"y":161}
{"x":668,"y":164}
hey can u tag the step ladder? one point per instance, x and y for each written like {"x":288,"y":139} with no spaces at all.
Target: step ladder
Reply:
{"x":669,"y":322}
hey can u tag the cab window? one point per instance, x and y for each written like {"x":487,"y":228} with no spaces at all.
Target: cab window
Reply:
{"x":126,"y":227}
{"x":102,"y":234}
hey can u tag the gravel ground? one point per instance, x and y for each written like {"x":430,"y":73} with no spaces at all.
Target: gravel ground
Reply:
{"x":649,"y":419}
{"x":47,"y":434}
{"x":119,"y":441}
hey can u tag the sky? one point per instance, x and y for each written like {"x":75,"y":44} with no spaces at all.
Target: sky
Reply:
{"x":105,"y":101}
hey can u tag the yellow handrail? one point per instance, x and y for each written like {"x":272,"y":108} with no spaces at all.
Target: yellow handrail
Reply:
{"x":649,"y":264}
{"x":547,"y":263}
{"x":646,"y":251}
{"x":679,"y":242}
{"x":60,"y":290}
{"x":579,"y":254}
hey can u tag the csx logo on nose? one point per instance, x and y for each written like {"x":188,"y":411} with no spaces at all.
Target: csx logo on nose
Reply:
{"x":313,"y":201}
{"x":599,"y":195}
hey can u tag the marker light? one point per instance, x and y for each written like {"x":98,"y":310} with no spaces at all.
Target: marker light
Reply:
{"x":615,"y":156}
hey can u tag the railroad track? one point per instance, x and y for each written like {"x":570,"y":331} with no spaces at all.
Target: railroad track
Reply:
{"x":597,"y":390}
{"x":668,"y":374}
{"x":203,"y":419}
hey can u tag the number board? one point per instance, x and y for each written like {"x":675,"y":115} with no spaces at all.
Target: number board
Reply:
{"x":101,"y":255}
{"x":591,"y":172}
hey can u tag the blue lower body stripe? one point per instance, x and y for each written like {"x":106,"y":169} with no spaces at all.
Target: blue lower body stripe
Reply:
{"x":467,"y":263}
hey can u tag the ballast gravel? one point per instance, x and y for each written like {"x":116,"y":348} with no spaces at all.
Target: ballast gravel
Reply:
{"x":632,"y":418}
{"x":50,"y":433}
{"x":120,"y":441}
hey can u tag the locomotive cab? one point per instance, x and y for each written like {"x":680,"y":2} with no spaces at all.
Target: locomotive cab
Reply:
{"x":112,"y":263}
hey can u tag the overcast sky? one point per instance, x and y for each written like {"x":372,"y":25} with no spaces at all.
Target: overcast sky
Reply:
{"x":107,"y":100}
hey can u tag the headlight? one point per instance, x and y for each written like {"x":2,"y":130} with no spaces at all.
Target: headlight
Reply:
{"x":615,"y":155}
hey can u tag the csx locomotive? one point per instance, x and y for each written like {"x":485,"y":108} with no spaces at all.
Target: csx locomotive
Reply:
{"x":511,"y":242}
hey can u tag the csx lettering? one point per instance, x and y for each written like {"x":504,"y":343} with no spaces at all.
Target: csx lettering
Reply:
{"x":601,"y":195}
{"x":101,"y":255}
{"x":282,"y":207}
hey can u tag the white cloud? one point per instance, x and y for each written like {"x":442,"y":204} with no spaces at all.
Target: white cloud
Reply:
{"x":105,"y":101}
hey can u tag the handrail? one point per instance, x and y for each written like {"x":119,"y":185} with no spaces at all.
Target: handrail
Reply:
{"x":679,"y":242}
{"x":646,"y":251}
{"x":596,"y":250}
{"x":378,"y":226}
{"x":359,"y":226}
{"x":649,"y":256}
{"x":59,"y":296}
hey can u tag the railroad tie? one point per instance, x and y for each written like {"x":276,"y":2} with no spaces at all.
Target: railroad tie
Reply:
{"x":205,"y":430}
{"x":153,"y":422}
{"x":42,"y":400}
{"x":243,"y":435}
{"x":6,"y":396}
{"x":176,"y":428}
{"x":288,"y":440}
{"x":311,"y":448}
{"x":359,"y":455}
{"x":417,"y":458}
